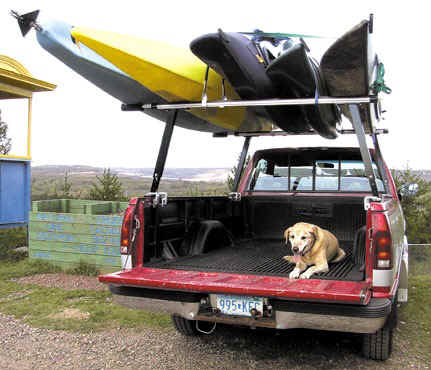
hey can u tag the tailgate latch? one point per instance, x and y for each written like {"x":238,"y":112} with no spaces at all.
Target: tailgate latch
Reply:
{"x":158,"y":199}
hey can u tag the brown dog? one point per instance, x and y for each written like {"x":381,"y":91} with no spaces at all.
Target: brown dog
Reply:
{"x":311,"y":245}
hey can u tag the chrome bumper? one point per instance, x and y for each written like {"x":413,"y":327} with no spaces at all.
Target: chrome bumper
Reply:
{"x":286,"y":315}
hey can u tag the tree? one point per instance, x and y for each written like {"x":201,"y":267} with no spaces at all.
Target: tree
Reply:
{"x":109,"y":187}
{"x":231,"y":176}
{"x":5,"y":142}
{"x":416,"y":203}
{"x":66,"y":187}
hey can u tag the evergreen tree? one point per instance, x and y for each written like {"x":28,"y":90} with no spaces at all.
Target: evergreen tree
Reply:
{"x":416,"y":203}
{"x":66,"y":187}
{"x":231,"y":176}
{"x":109,"y":187}
{"x":5,"y":142}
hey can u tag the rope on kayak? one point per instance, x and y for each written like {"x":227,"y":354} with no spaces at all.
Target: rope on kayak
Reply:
{"x":379,"y":84}
{"x":281,"y":36}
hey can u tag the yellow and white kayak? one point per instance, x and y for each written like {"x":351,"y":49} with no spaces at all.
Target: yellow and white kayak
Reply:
{"x":172,"y":73}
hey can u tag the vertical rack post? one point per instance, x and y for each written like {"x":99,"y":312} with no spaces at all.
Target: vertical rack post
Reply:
{"x":365,"y":153}
{"x":380,"y":162}
{"x":163,"y":151}
{"x":241,"y":163}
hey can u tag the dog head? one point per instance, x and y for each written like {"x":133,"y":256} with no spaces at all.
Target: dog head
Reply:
{"x":301,"y":237}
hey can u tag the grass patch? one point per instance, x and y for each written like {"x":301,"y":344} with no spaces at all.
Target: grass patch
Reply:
{"x":84,"y":268}
{"x":9,"y":240}
{"x":42,"y":307}
{"x":10,"y":270}
{"x":415,"y":316}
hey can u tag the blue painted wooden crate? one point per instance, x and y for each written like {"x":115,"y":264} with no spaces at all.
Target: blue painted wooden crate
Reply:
{"x":14,"y":192}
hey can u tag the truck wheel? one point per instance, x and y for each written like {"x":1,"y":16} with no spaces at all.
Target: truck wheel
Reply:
{"x":184,"y":326}
{"x":378,"y":346}
{"x":189,"y":328}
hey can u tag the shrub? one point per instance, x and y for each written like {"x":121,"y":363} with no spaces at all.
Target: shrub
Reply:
{"x":10,"y":239}
{"x":84,"y":268}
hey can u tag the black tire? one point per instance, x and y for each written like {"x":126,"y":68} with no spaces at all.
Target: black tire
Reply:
{"x":184,"y":326}
{"x":378,"y":346}
{"x":190,"y":327}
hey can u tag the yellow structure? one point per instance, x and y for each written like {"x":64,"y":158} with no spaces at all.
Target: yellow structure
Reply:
{"x":16,"y":82}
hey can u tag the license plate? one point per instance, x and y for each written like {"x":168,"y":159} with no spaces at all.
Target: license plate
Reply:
{"x":239,"y":305}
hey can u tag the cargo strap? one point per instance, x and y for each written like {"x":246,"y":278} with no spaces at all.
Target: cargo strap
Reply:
{"x":276,"y":37}
{"x":379,"y":83}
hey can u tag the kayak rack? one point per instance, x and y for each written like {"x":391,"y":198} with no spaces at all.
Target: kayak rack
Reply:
{"x":358,"y":129}
{"x":378,"y":131}
{"x":253,"y":103}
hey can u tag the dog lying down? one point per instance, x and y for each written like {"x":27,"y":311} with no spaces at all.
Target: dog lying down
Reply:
{"x":311,"y":245}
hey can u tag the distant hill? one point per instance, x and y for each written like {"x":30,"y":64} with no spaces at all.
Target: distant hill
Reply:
{"x":185,"y":174}
{"x":47,"y":181}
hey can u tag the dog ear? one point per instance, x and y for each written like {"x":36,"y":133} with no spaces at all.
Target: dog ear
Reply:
{"x":315,"y":232}
{"x":286,"y":234}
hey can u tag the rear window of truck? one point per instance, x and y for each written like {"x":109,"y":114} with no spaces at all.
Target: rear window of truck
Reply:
{"x":312,"y":175}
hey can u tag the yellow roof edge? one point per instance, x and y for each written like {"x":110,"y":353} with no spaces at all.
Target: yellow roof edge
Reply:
{"x":32,"y":83}
{"x":13,"y":65}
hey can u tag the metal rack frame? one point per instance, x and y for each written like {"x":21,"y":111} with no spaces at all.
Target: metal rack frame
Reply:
{"x":353,"y":103}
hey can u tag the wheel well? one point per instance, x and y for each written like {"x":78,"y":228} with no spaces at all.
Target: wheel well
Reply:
{"x":205,"y":236}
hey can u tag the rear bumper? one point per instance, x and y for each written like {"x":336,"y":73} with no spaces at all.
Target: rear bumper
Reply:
{"x":285,"y":314}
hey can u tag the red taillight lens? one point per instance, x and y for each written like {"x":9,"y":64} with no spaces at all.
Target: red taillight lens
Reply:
{"x":382,"y":243}
{"x":126,"y":230}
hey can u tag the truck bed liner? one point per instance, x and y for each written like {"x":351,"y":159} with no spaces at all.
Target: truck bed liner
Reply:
{"x":262,"y":258}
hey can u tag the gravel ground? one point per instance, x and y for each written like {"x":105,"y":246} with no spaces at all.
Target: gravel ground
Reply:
{"x":64,"y":281}
{"x":25,"y":347}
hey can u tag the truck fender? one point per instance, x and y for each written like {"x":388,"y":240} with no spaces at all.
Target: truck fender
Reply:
{"x":205,"y":236}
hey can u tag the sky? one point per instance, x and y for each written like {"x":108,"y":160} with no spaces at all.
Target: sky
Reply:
{"x":80,"y":124}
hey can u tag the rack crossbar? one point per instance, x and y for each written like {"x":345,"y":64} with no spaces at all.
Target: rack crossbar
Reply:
{"x":283,"y":133}
{"x":257,"y":103}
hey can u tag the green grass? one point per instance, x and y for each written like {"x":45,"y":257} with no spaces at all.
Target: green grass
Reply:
{"x":38,"y":306}
{"x":84,"y":268}
{"x":9,"y":240}
{"x":415,"y":316}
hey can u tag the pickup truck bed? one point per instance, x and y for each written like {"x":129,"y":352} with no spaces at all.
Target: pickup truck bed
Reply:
{"x":260,"y":257}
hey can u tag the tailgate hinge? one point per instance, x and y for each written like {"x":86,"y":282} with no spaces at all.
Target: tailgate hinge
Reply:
{"x":158,"y":199}
{"x":235,"y":196}
{"x":368,"y":200}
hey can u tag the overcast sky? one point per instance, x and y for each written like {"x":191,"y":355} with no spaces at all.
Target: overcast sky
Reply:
{"x":80,"y":124}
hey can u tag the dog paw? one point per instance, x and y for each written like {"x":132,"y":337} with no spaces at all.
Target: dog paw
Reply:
{"x":288,"y":259}
{"x":305,"y":275}
{"x":294,"y":274}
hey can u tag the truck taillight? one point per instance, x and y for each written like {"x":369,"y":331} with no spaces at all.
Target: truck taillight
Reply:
{"x":382,"y":243}
{"x":126,"y":230}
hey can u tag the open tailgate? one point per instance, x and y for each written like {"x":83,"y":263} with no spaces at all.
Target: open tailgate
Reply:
{"x":251,"y":285}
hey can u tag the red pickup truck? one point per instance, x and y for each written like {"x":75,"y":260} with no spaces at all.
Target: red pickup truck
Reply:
{"x":209,"y":260}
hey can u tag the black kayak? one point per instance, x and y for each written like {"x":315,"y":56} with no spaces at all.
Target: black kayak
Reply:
{"x":243,"y":64}
{"x":349,"y":67}
{"x":296,"y":75}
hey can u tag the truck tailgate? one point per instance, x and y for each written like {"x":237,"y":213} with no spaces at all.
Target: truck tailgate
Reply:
{"x":250,"y":285}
